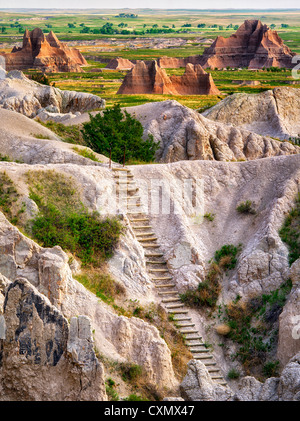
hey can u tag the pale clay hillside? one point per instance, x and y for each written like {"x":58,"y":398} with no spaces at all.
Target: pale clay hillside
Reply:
{"x":59,"y":340}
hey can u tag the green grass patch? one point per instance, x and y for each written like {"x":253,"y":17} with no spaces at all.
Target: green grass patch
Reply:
{"x":69,"y":134}
{"x":101,"y":284}
{"x":86,"y":153}
{"x":63,"y":219}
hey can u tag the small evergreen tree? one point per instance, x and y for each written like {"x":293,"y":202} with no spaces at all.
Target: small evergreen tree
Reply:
{"x":117,"y":131}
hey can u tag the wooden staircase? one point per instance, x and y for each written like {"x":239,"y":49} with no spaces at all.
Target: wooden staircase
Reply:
{"x":161,"y":277}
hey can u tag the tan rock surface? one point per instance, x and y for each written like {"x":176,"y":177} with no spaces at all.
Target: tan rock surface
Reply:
{"x":272,"y":113}
{"x":18,"y":93}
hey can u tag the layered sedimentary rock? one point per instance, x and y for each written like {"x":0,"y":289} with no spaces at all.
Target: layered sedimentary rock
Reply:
{"x":253,"y":45}
{"x":45,"y":53}
{"x":120,"y":63}
{"x":273,"y":113}
{"x":184,"y":134}
{"x":18,"y":93}
{"x":194,"y":81}
{"x":41,"y":356}
{"x":151,"y":79}
{"x":174,"y":62}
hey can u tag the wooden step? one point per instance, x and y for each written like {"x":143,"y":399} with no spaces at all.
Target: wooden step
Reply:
{"x":138,"y":220}
{"x":153,"y":254}
{"x":199,"y":350}
{"x":128,"y":190}
{"x":124,"y":182}
{"x":178,"y":311}
{"x":184,"y":325}
{"x":170,"y":300}
{"x":193,"y":338}
{"x":203,"y":357}
{"x":182,"y":319}
{"x":168,"y":292}
{"x":158,"y":270}
{"x":155,"y":262}
{"x":188,"y":332}
{"x":165,"y":278}
{"x":213,"y":370}
{"x":175,"y":306}
{"x":120,"y":169}
{"x":151,"y":246}
{"x":199,"y":344}
{"x":142,"y":227}
{"x":165,"y":286}
{"x":141,"y":240}
{"x":217,"y":377}
{"x":144,"y":233}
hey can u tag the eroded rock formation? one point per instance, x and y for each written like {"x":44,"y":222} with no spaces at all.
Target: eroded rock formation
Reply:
{"x":41,"y":357}
{"x":197,"y":385}
{"x":120,"y":63}
{"x":273,"y":113}
{"x":185,"y":134}
{"x":253,"y":45}
{"x":18,"y":93}
{"x":152,"y":79}
{"x":45,"y":53}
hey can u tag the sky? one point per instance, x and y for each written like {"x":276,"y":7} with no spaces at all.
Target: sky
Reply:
{"x":153,"y":4}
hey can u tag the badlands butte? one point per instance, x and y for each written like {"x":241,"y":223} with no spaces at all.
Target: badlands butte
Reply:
{"x":175,"y":278}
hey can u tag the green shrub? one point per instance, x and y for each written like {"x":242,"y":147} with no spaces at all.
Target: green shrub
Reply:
{"x":271,"y":369}
{"x":40,"y":78}
{"x":130,"y":372}
{"x":209,"y":216}
{"x":226,"y":256}
{"x":111,"y":391}
{"x":290,"y":231}
{"x":207,"y":292}
{"x":88,"y":236}
{"x":245,"y":207}
{"x":119,"y":132}
{"x":233,"y":374}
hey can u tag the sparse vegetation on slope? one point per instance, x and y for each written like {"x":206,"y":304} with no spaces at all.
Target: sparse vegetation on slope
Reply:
{"x":290,"y":231}
{"x":208,"y":291}
{"x":9,"y":199}
{"x":69,"y":134}
{"x":64,"y":220}
{"x":253,"y":326}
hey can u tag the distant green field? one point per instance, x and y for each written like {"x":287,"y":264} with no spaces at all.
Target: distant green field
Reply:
{"x":184,"y":24}
{"x":106,"y":84}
